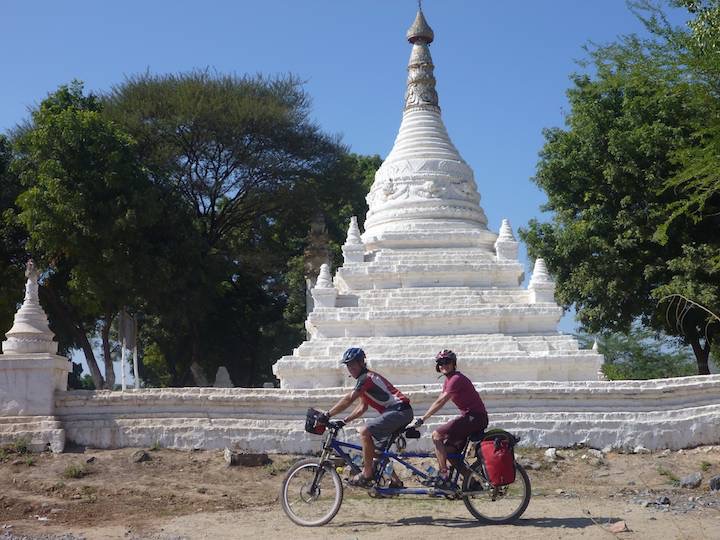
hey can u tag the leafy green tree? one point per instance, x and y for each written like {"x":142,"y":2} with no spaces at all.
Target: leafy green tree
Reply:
{"x":12,"y":237}
{"x":609,"y":243}
{"x":641,"y":354}
{"x":252,"y":169}
{"x":78,"y":381}
{"x":89,"y":211}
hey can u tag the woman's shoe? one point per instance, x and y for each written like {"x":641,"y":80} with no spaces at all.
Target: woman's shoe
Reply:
{"x":396,"y":484}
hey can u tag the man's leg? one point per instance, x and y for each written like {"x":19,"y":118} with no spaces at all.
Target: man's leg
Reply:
{"x":368,"y":446}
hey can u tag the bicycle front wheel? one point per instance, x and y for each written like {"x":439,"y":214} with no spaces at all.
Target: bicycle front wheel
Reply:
{"x":308,"y":506}
{"x":496,"y":505}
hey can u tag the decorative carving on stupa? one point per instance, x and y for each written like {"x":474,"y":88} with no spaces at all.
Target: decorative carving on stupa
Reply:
{"x":30,"y":332}
{"x":424,"y":192}
{"x":421,"y":91}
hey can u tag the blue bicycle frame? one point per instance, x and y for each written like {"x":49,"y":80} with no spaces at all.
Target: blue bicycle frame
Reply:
{"x":386,"y":456}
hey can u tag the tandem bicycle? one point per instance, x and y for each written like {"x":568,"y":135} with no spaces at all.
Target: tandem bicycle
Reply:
{"x":312,"y":490}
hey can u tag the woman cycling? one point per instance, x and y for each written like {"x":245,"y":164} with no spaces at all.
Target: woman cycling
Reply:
{"x":452,"y":436}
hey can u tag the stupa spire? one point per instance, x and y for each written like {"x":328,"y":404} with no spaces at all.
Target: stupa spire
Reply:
{"x":420,"y":91}
{"x":424,"y":193}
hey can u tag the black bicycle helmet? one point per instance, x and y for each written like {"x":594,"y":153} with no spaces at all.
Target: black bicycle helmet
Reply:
{"x":353,"y":353}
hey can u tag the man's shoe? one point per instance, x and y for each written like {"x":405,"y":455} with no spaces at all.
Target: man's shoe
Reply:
{"x":359,"y":480}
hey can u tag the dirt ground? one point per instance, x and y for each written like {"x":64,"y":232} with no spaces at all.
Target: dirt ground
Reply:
{"x":102,"y":494}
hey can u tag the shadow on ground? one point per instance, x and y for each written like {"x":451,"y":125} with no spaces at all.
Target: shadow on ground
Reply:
{"x":454,"y":523}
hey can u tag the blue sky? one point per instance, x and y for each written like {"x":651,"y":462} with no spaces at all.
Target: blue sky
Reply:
{"x":502,"y":67}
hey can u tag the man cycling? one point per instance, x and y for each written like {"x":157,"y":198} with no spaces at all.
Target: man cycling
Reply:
{"x":452,"y":436}
{"x":375,"y":390}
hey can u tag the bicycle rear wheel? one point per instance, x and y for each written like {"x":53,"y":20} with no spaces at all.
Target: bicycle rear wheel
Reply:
{"x":496,"y":505}
{"x":303,"y":505}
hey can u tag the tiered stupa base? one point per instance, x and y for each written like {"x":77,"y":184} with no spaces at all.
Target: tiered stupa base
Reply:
{"x":403,"y":305}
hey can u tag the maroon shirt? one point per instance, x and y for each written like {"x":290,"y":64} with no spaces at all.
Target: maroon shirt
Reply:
{"x":463,"y":394}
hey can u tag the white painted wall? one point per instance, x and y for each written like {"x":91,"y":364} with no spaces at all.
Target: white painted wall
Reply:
{"x":658,"y":414}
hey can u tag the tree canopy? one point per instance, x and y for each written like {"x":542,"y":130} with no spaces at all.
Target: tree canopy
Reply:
{"x":622,"y":181}
{"x":640,"y":354}
{"x":185,"y":199}
{"x":244,"y":157}
{"x":90,"y":213}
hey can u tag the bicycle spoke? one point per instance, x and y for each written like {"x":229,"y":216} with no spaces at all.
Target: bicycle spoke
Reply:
{"x":310,"y":507}
{"x":497,"y":505}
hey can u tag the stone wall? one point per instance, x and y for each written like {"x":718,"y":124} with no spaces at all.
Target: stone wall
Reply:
{"x":658,"y":414}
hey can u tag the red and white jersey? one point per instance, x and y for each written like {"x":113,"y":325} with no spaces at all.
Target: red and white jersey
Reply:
{"x":378,"y":392}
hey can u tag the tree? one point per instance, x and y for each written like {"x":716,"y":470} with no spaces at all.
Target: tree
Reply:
{"x":246,"y":161}
{"x":12,"y":254}
{"x":640,"y":354}
{"x":182,"y":198}
{"x":609,"y":243}
{"x":89,"y":211}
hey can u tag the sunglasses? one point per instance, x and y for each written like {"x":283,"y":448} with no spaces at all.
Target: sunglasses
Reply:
{"x":443,"y":362}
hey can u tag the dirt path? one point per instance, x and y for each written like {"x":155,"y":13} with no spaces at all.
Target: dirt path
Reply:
{"x":194,"y":495}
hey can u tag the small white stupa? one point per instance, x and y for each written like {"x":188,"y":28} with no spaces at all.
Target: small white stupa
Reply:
{"x":427,"y":274}
{"x":30,"y":332}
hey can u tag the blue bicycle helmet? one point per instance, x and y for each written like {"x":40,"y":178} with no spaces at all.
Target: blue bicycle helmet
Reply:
{"x":353,"y":353}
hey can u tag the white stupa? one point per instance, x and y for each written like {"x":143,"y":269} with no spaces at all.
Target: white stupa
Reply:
{"x":427,"y":274}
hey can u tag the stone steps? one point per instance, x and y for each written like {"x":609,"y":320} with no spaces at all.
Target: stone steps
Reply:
{"x":39,"y":431}
{"x":442,"y":302}
{"x":391,"y":312}
{"x":528,"y":319}
{"x":403,"y":346}
{"x":435,"y":256}
{"x":438,"y":291}
{"x":441,"y":274}
{"x":440,"y":297}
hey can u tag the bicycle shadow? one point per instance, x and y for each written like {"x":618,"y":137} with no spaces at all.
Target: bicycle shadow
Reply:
{"x":457,"y":523}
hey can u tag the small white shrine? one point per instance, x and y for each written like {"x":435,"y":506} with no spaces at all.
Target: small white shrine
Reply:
{"x":427,"y":274}
{"x":31,"y":372}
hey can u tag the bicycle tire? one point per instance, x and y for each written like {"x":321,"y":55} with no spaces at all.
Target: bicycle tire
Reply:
{"x":295,"y":494}
{"x":511,"y":505}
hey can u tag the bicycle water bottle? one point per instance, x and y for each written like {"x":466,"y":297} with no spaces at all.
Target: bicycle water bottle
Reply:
{"x":431,"y":472}
{"x":357,"y":461}
{"x":388,"y":470}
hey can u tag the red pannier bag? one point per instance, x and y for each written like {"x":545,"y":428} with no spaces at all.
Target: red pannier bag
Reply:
{"x":497,"y":452}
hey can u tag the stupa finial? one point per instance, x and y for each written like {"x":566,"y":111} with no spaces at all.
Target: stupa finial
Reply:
{"x":420,"y":29}
{"x":421,"y":79}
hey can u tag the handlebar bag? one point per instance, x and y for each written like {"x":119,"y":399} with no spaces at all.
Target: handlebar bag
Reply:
{"x":313,"y":423}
